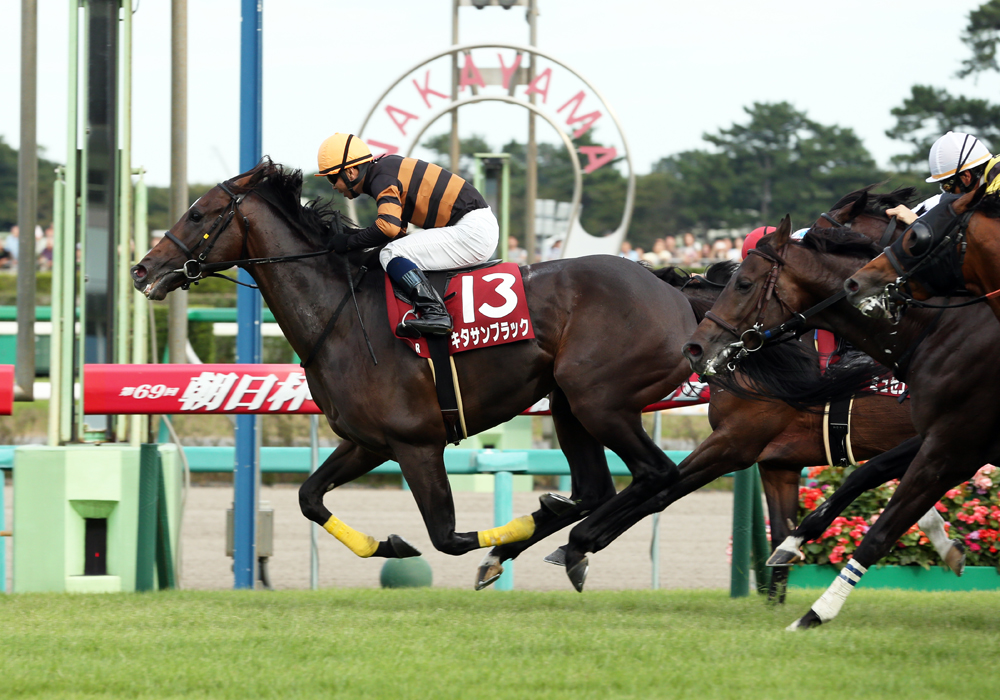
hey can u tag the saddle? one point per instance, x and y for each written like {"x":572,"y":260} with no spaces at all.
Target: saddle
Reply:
{"x":442,"y":365}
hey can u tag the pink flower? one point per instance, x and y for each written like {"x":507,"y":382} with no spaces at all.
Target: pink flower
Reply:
{"x":982,"y":482}
{"x":837,"y":555}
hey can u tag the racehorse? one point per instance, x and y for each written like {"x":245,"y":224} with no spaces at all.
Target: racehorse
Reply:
{"x":783,"y":439}
{"x":607,"y":343}
{"x":960,"y":252}
{"x":939,"y":356}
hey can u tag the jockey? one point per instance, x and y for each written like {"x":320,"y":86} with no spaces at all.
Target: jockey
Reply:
{"x":959,"y":162}
{"x":459,"y":229}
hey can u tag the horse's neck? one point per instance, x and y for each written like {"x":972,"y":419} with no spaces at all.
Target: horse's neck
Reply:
{"x":302,"y":295}
{"x":887,"y":343}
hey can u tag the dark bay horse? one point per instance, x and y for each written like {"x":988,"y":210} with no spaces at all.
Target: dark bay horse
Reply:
{"x":607,"y":343}
{"x":780,"y":438}
{"x":879,"y":288}
{"x":953,"y":403}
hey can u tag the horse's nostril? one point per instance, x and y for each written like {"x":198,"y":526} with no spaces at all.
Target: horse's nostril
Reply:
{"x":138,"y":272}
{"x":692,"y":350}
{"x":851,"y":285}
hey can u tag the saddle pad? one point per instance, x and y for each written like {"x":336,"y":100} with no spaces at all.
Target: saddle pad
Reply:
{"x":487,"y":306}
{"x":827,"y":344}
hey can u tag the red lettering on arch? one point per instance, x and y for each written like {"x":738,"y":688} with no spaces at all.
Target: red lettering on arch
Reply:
{"x":427,"y":90}
{"x":533,"y":88}
{"x":387,"y":148}
{"x":508,"y":73}
{"x":587,"y":119}
{"x":597,"y":156}
{"x":403,"y":119}
{"x":470,"y":74}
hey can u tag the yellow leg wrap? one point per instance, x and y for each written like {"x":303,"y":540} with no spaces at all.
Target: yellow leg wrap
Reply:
{"x":359,"y":543}
{"x":516,"y":530}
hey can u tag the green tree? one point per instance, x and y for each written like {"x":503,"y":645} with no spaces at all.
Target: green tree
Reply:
{"x":778,"y":162}
{"x":8,"y":187}
{"x":981,"y":35}
{"x":929,"y":112}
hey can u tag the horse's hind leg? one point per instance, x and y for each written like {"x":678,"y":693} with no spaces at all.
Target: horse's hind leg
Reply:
{"x":652,"y":472}
{"x":592,"y":486}
{"x":347,"y":463}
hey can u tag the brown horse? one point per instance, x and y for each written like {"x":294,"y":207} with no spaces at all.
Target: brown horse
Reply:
{"x":939,"y":355}
{"x":929,"y":267}
{"x":607,"y":343}
{"x":782,"y":439}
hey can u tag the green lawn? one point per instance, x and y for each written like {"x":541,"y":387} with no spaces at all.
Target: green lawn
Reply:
{"x":463,"y":644}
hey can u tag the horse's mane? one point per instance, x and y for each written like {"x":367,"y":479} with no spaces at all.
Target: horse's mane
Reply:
{"x":701,"y":291}
{"x":989,"y":206}
{"x":282,"y":188}
{"x":789,"y":372}
{"x":828,"y":240}
{"x":879,"y":202}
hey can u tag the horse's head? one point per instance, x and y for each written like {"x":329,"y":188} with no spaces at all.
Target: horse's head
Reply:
{"x":776,"y":283}
{"x":921,"y":260}
{"x":212,"y":230}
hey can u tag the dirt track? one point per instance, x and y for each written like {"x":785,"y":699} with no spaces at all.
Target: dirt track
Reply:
{"x":694,"y":535}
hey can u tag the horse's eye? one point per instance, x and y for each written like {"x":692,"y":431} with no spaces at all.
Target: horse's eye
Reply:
{"x":196,"y":215}
{"x":743,"y":285}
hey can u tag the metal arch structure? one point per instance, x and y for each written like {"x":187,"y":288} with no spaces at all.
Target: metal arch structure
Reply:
{"x":574,"y":246}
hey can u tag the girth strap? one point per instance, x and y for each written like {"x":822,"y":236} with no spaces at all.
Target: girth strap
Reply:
{"x":444,"y":380}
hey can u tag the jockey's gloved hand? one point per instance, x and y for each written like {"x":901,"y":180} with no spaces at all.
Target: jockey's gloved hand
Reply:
{"x":341,"y":242}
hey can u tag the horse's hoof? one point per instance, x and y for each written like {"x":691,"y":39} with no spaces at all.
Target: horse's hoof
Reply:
{"x":782,"y":557}
{"x":578,"y":574}
{"x":779,"y":587}
{"x":402,"y":548}
{"x":807,"y":621}
{"x":489,"y":571}
{"x":557,"y":557}
{"x":955,"y":559}
{"x":556,"y":504}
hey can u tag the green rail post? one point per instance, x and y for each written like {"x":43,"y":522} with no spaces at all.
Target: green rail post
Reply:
{"x":503,"y":513}
{"x":760,"y":546}
{"x":149,"y":492}
{"x":739,"y":582}
{"x":166,"y":577}
{"x":3,"y":540}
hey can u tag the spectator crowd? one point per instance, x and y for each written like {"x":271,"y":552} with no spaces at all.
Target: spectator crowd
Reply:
{"x":687,"y":252}
{"x":13,"y":246}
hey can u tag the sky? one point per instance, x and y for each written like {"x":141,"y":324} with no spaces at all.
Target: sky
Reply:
{"x":670,"y":71}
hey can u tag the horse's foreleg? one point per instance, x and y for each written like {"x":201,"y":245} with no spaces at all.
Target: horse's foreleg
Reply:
{"x":781,"y":489}
{"x":592,"y":486}
{"x":424,"y":471}
{"x":345,"y":464}
{"x":922,"y":485}
{"x":875,"y":472}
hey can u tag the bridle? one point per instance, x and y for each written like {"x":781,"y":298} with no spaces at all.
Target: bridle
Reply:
{"x":195,"y":268}
{"x":755,"y":337}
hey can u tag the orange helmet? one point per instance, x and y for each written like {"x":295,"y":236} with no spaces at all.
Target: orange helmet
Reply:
{"x":750,"y":242}
{"x":342,"y":151}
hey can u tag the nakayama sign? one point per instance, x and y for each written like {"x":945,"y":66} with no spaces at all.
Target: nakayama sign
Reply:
{"x":498,"y":73}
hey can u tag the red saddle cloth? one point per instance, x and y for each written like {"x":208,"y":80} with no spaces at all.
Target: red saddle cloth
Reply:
{"x":487,"y":306}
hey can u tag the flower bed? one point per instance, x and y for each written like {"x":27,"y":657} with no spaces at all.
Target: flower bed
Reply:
{"x":972,"y":512}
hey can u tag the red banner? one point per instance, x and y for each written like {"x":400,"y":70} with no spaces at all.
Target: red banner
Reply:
{"x":487,"y":307}
{"x":6,"y":390}
{"x":168,"y":389}
{"x":178,"y":389}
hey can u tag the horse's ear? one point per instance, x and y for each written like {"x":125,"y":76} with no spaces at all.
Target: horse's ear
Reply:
{"x":858,"y":207}
{"x":968,"y":200}
{"x":978,"y":195}
{"x":780,"y":237}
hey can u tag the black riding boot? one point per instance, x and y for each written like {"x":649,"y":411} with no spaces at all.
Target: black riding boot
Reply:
{"x":434,"y":319}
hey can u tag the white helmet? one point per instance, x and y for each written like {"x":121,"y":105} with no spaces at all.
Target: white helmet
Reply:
{"x":952,"y":150}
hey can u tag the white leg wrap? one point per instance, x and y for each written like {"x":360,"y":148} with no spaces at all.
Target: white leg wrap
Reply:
{"x":830,"y":603}
{"x":933,"y":526}
{"x":791,"y":544}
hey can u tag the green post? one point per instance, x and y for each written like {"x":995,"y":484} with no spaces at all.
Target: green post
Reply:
{"x":56,"y":336}
{"x":739,"y":581}
{"x":149,"y":491}
{"x":3,"y":540}
{"x":492,"y":179}
{"x":123,"y":286}
{"x":139,"y":426}
{"x":166,"y":577}
{"x":503,"y":513}
{"x":760,"y":546}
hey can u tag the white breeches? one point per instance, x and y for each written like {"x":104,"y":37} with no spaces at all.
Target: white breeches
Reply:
{"x":470,"y":241}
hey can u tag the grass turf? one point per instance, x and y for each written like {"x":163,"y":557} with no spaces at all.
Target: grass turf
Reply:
{"x":462,"y":644}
